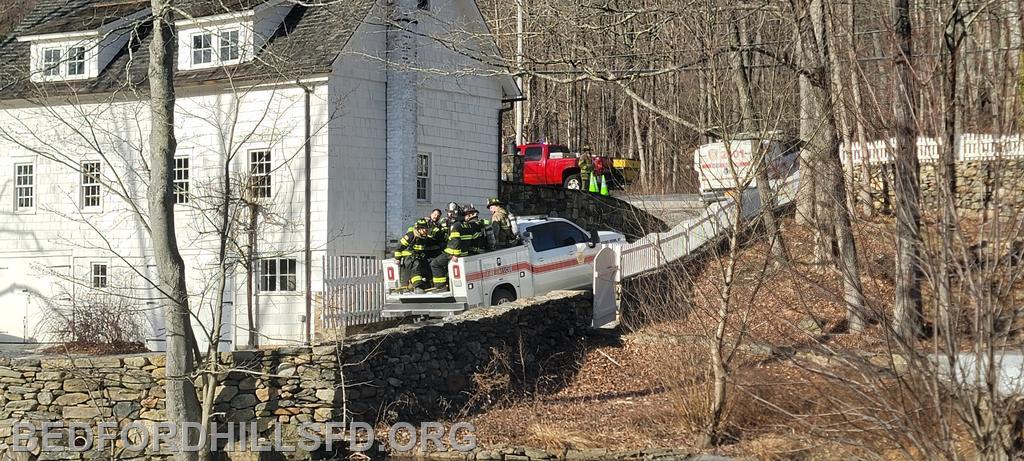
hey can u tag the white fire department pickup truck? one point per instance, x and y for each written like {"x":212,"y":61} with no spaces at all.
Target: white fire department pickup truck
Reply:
{"x":555,"y":254}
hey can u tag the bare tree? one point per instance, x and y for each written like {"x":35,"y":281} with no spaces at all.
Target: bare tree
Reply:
{"x":182,"y":402}
{"x":907,"y":309}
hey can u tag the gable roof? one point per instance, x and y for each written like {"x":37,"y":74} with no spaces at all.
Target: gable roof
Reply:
{"x":306,"y":43}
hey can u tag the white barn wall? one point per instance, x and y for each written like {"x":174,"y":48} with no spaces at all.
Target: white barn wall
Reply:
{"x":458,"y":110}
{"x":357,"y":165}
{"x":271,"y":117}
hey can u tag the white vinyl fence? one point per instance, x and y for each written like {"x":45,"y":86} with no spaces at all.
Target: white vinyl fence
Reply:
{"x":353,"y":291}
{"x":972,"y":147}
{"x":657,"y":249}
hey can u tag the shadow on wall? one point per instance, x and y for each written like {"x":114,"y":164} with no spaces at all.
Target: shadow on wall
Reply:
{"x":586,"y":209}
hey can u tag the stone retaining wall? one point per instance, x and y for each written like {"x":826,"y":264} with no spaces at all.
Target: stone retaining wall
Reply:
{"x":409,"y":373}
{"x":589,"y":210}
{"x":980,"y":184}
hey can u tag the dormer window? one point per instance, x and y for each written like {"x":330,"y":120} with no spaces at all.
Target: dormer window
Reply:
{"x":229,"y":45}
{"x":215,"y":47}
{"x":59,"y":52}
{"x":233,"y":37}
{"x":51,"y":62}
{"x":76,"y":60}
{"x":202,"y":49}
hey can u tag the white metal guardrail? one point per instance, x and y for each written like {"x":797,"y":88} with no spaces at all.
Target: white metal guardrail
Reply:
{"x":658,"y":249}
{"x":972,"y":147}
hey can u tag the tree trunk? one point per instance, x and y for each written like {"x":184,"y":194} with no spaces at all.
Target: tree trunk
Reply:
{"x":867,"y":201}
{"x":760,"y":165}
{"x":953,"y":37}
{"x":182,"y":402}
{"x":907,"y":309}
{"x":808,"y":133}
{"x":814,"y":36}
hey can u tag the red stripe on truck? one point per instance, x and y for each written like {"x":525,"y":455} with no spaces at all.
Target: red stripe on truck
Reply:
{"x":538,"y":269}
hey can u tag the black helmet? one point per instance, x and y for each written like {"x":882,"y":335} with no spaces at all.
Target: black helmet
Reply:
{"x":421,"y":224}
{"x":452,"y":207}
{"x":469,"y":208}
{"x":494,"y":201}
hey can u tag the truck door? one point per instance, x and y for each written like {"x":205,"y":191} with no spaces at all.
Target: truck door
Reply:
{"x":533,"y":164}
{"x":558,"y":262}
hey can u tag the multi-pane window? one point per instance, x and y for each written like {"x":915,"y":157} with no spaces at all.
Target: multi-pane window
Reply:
{"x":202,"y":48}
{"x":259,"y":173}
{"x":277,"y":274}
{"x":24,"y":186}
{"x":51,"y":62}
{"x":181,"y":174}
{"x":228,"y":42}
{"x":99,"y":275}
{"x":76,"y":60}
{"x":90,"y":184}
{"x":423,"y":177}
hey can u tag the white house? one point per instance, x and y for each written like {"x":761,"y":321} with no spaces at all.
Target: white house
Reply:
{"x":336,"y":125}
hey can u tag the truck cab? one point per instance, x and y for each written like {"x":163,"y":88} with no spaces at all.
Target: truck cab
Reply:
{"x":549,"y":164}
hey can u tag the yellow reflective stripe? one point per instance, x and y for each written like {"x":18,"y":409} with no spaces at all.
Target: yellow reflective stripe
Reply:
{"x":403,"y":241}
{"x":453,"y":251}
{"x":440,"y":279}
{"x":454,"y":234}
{"x":415,"y":278}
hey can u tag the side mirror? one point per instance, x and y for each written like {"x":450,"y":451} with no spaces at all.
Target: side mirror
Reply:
{"x":525,"y":236}
{"x":595,"y":238}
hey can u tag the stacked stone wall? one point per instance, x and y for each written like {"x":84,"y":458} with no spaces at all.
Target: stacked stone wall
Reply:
{"x":413,"y":373}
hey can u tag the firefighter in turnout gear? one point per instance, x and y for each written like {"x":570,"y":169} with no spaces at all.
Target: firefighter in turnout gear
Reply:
{"x":438,"y":229}
{"x":501,"y":225}
{"x":454,"y":249}
{"x":475,"y":234}
{"x":415,"y":249}
{"x":586,"y":165}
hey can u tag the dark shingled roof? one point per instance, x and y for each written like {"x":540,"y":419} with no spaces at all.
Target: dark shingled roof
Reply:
{"x":306,"y":43}
{"x":86,"y":17}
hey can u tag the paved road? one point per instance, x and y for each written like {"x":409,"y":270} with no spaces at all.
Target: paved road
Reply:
{"x":16,"y":350}
{"x":671,"y":208}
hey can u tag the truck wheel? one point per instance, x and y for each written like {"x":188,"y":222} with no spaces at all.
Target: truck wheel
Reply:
{"x":502,"y":296}
{"x":572,"y":182}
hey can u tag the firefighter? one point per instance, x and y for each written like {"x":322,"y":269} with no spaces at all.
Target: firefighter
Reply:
{"x":454,"y":249}
{"x":475,"y":235}
{"x":414,"y":252}
{"x":586,"y":164}
{"x":501,"y":225}
{"x":436,"y":225}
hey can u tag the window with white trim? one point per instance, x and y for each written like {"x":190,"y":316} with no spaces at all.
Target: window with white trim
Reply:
{"x":24,"y":187}
{"x":202,"y":48}
{"x":423,"y":177}
{"x":228,"y":43}
{"x":277,"y":274}
{"x":51,"y":62}
{"x":76,"y":60}
{"x":259,"y":173}
{"x":181,"y":180}
{"x":90,"y":185}
{"x":99,"y":275}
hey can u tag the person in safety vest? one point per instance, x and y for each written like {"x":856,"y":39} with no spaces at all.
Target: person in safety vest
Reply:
{"x":453,"y":249}
{"x":501,"y":225}
{"x":414,"y":252}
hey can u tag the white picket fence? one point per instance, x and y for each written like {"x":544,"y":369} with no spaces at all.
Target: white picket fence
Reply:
{"x":658,"y":249}
{"x":972,"y":147}
{"x":353,"y":291}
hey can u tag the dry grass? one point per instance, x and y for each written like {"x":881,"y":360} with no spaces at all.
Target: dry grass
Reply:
{"x":557,"y":439}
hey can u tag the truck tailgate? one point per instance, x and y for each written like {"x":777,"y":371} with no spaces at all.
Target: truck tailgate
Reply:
{"x":430,"y":304}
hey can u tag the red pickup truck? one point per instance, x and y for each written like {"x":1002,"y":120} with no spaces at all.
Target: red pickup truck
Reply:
{"x":553,"y":165}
